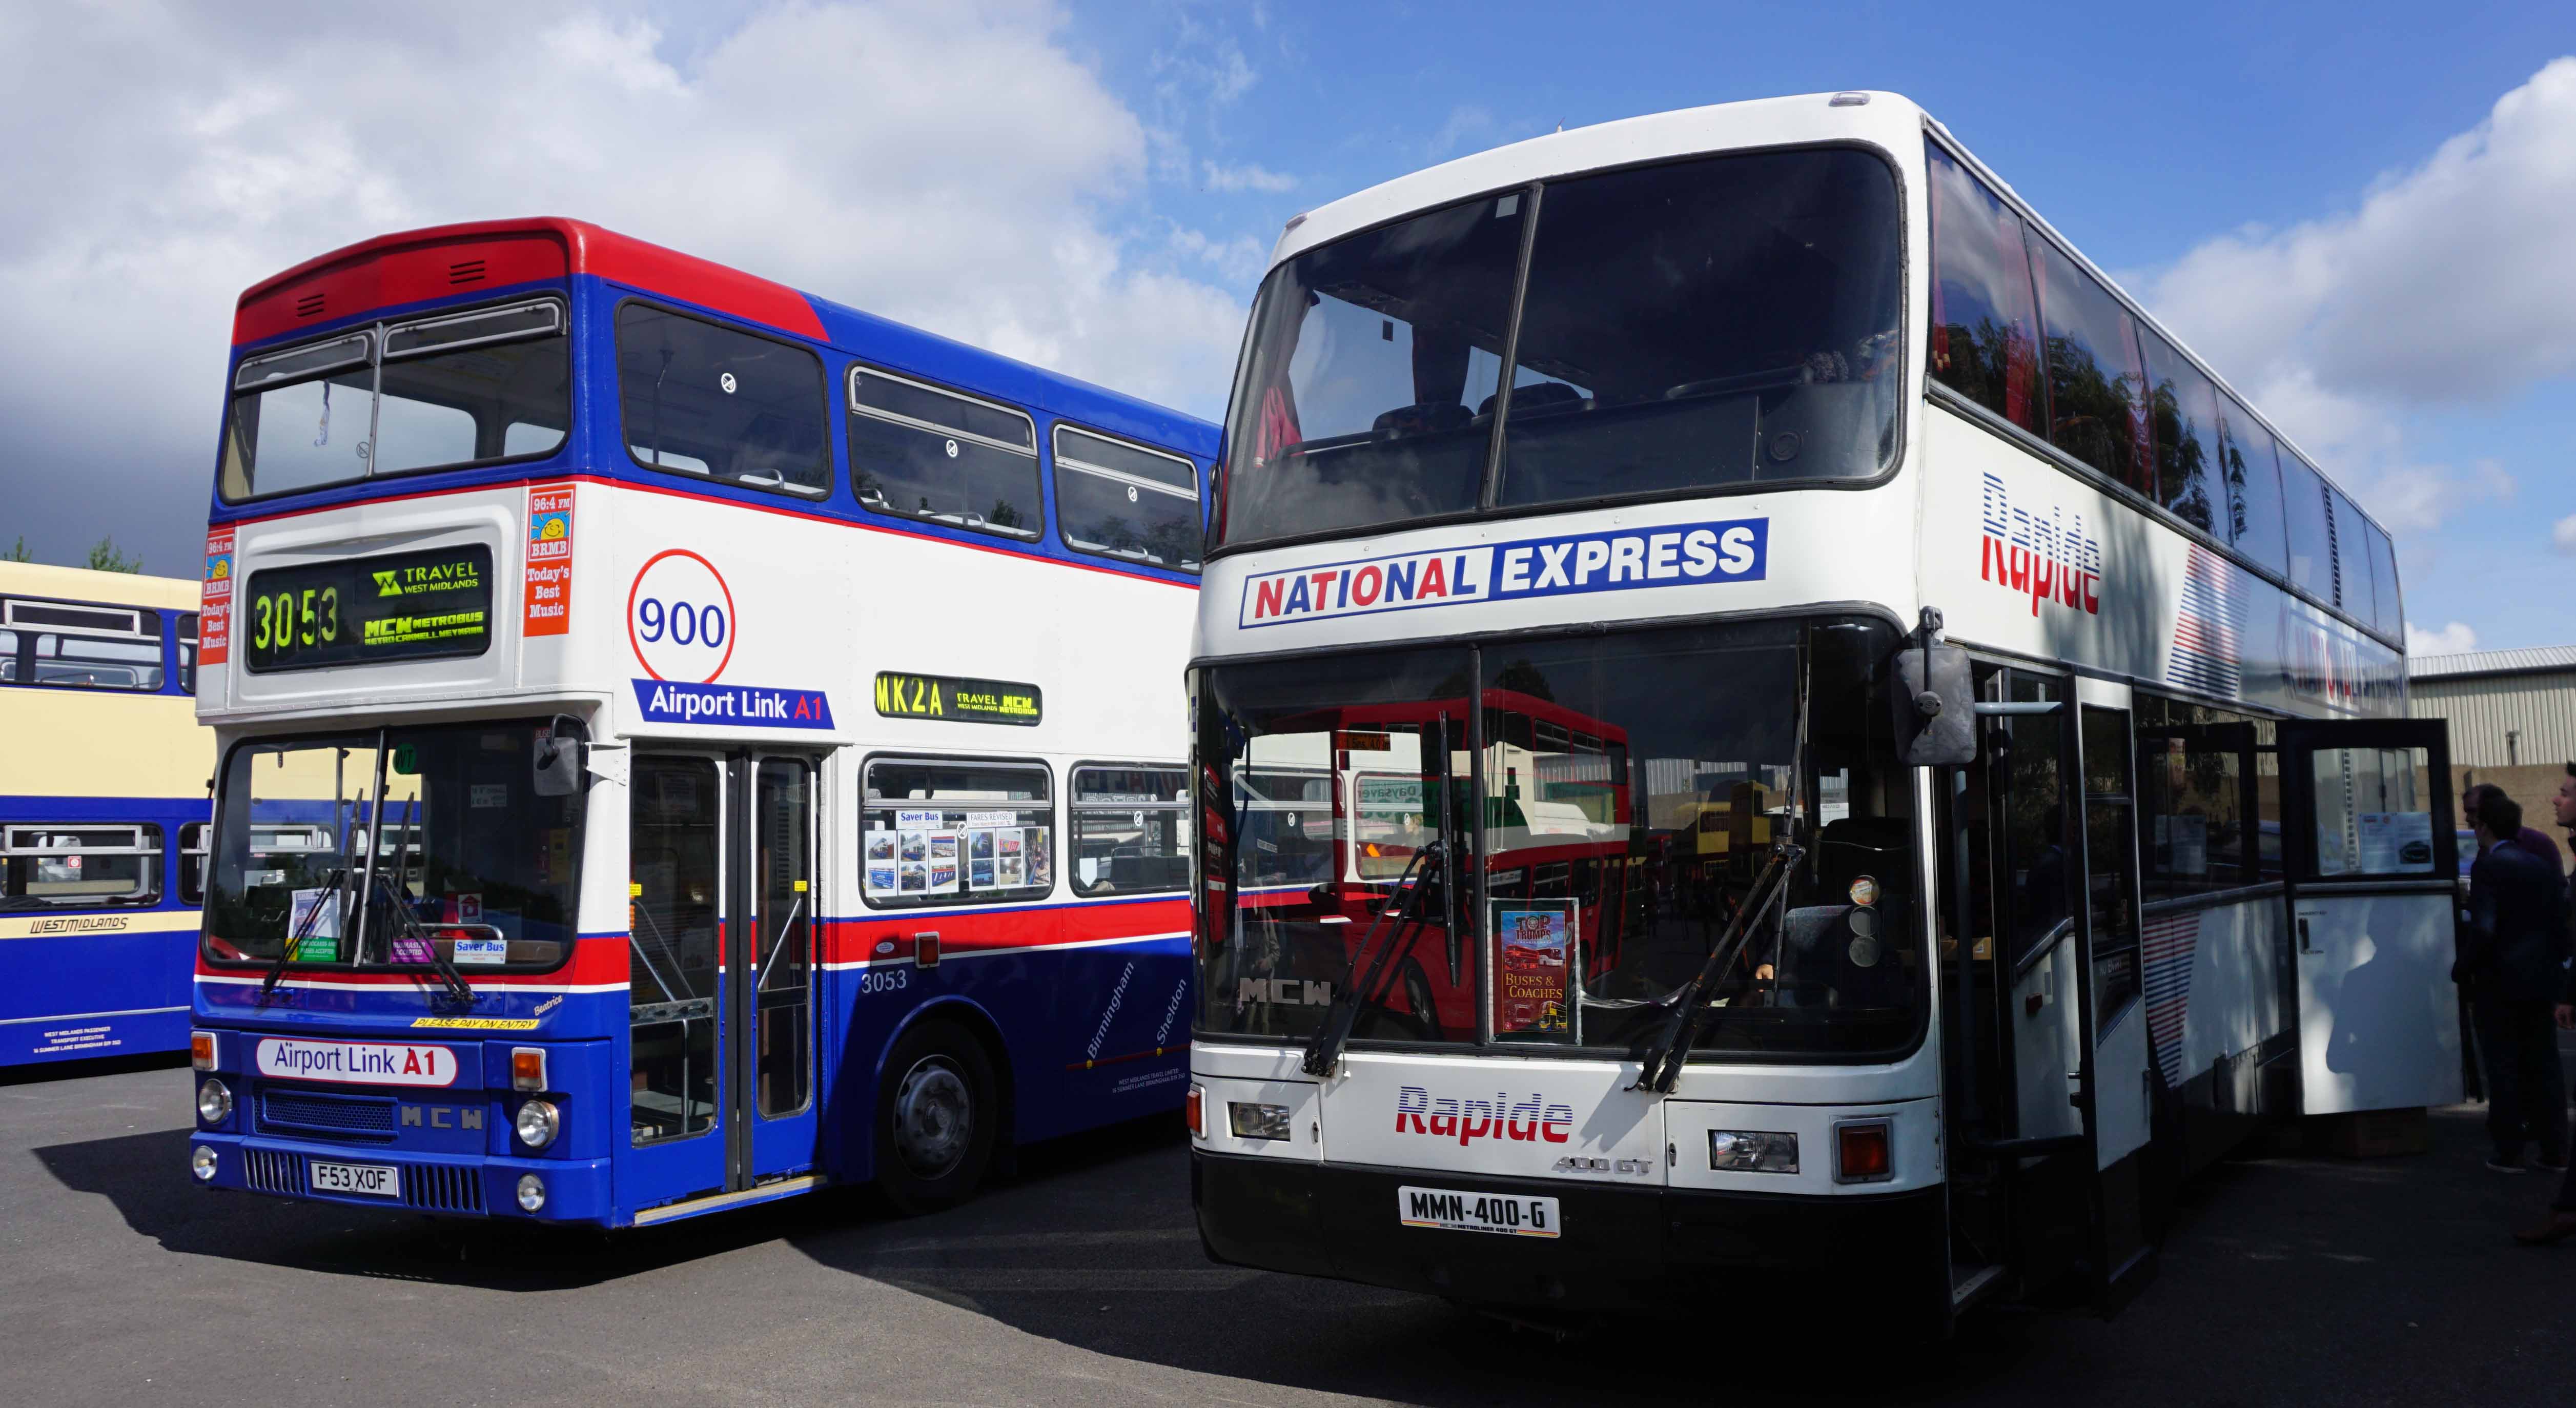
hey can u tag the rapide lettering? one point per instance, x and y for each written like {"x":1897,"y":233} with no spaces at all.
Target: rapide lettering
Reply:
{"x":1418,"y":1111}
{"x":2042,"y":553}
{"x":1674,"y":555}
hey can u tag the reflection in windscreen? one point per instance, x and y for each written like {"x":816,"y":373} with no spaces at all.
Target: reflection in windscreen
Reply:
{"x":1633,"y":787}
{"x":1684,"y":326}
{"x":465,"y":854}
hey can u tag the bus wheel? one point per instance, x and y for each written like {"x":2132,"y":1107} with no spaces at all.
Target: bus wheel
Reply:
{"x":935,"y":1118}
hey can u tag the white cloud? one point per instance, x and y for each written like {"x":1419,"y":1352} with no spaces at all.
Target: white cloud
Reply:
{"x":2449,"y":285}
{"x":947,"y":165}
{"x":1468,"y":126}
{"x":1247,"y":177}
{"x":2453,"y":639}
{"x":2564,"y":535}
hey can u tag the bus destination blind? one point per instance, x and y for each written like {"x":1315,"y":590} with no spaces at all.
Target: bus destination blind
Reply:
{"x":902,"y":696}
{"x":369,"y":610}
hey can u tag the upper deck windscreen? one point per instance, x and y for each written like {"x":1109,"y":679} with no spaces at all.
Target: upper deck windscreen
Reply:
{"x":1683,"y":327}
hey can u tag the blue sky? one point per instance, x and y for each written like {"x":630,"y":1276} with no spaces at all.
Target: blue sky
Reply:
{"x":2322,"y":200}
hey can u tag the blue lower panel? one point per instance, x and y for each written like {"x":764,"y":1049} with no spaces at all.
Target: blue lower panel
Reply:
{"x":84,"y":1037}
{"x":576,"y":1190}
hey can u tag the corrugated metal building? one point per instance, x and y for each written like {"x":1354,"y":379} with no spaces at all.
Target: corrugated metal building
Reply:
{"x":2508,"y":708}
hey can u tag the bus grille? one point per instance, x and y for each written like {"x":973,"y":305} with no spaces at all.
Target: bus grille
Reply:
{"x":438,"y":1188}
{"x":273,"y":1171}
{"x":359,"y":1116}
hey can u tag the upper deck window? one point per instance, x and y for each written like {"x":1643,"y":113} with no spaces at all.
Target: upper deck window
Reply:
{"x":2097,"y":402}
{"x":2253,"y":472}
{"x":2182,"y":407}
{"x":714,"y":401}
{"x":71,"y":645}
{"x":2303,"y":496}
{"x":1683,"y":327}
{"x":1985,"y":317}
{"x":1127,"y":501}
{"x":441,"y":392}
{"x":923,"y":452}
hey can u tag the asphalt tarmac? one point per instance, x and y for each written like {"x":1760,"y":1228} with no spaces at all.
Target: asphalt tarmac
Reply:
{"x":1080,"y":1281}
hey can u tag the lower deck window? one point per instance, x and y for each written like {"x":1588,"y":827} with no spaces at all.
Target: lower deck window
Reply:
{"x":956,"y":832}
{"x":68,"y":864}
{"x":1130,"y":830}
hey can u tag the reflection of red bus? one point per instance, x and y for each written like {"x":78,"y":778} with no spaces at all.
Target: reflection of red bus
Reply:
{"x":1557,"y":795}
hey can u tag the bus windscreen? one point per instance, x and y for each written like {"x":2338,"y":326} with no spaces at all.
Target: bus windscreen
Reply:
{"x":1682,"y":327}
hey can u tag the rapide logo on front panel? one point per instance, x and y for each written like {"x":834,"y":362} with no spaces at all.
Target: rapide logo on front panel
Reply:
{"x":1637,"y":559}
{"x":1418,"y":1111}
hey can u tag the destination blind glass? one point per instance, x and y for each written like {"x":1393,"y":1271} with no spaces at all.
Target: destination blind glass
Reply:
{"x":369,"y":610}
{"x":902,"y":696}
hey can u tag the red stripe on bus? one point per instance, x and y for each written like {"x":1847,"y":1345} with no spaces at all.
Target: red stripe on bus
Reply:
{"x":856,"y":939}
{"x":596,"y":959}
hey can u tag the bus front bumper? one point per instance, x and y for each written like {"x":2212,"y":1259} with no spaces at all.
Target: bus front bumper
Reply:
{"x":576,"y":1190}
{"x":1882,"y":1257}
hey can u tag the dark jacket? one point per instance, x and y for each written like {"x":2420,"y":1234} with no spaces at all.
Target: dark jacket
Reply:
{"x":2517,"y":948}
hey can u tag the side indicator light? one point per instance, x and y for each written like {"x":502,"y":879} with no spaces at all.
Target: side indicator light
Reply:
{"x":527,"y":1068}
{"x":1194,"y":1106}
{"x":201,"y":1050}
{"x":1861,"y":1152}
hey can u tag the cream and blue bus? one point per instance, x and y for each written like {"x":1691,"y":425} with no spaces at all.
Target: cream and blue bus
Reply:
{"x":103,"y":778}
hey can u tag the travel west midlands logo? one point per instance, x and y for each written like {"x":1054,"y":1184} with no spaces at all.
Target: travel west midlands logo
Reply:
{"x":436,"y":577}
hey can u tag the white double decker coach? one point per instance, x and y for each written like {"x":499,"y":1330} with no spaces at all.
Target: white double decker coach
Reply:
{"x":1900,"y":763}
{"x":682,"y":741}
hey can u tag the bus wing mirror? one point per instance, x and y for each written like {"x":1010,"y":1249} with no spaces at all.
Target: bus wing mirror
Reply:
{"x":558,"y":767}
{"x":1936,"y":707}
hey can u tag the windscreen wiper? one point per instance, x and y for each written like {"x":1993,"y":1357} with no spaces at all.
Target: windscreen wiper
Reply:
{"x":397,"y":899}
{"x":1402,"y":908}
{"x":1664,"y":1059}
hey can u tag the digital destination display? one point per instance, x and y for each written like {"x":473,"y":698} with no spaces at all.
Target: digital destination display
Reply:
{"x":368,"y":610}
{"x":902,"y":696}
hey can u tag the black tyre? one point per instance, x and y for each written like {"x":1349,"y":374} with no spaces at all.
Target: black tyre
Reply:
{"x":938,"y":1114}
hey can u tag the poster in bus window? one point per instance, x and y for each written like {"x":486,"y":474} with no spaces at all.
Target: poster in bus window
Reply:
{"x":880,"y":847}
{"x":1041,"y":862}
{"x":916,"y":846}
{"x":943,"y":876}
{"x":1535,"y":970}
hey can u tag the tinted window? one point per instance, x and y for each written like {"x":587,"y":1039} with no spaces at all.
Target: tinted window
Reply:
{"x":2096,"y":400}
{"x":1705,"y":323}
{"x":2253,"y":474}
{"x":709,"y":400}
{"x":77,"y":864}
{"x":2182,"y":408}
{"x":73,"y":646}
{"x":2352,"y":561}
{"x":2193,"y":764}
{"x":2303,"y":502}
{"x":1985,"y":327}
{"x":1126,"y":501}
{"x":925,"y":453}
{"x":2383,"y":573}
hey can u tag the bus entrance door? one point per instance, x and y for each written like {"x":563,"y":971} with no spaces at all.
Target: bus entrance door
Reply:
{"x":722,"y":884}
{"x":2372,"y":862}
{"x":2027,"y":1200}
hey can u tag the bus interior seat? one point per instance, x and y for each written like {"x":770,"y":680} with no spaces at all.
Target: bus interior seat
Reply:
{"x":1420,"y":418}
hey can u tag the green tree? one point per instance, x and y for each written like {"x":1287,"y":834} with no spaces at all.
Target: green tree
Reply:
{"x":104,"y":557}
{"x":19,"y":553}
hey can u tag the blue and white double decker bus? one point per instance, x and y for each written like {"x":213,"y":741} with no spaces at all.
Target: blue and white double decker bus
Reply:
{"x":683,"y":742}
{"x":103,"y":771}
{"x":1892,"y":762}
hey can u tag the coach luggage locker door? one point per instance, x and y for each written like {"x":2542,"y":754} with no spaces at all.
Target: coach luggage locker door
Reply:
{"x":2372,"y":860}
{"x":677,"y":913}
{"x":772,"y":1105}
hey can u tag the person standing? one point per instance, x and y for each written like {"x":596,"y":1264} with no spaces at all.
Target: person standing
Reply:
{"x":2560,"y":1224}
{"x":2513,"y":968}
{"x":2528,"y":838}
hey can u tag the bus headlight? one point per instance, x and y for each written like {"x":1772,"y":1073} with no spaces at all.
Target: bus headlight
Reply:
{"x":532,"y":1192}
{"x":1752,"y":1151}
{"x":538,"y":1123}
{"x":1257,"y":1121}
{"x":214,"y":1101}
{"x":201,"y":1162}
